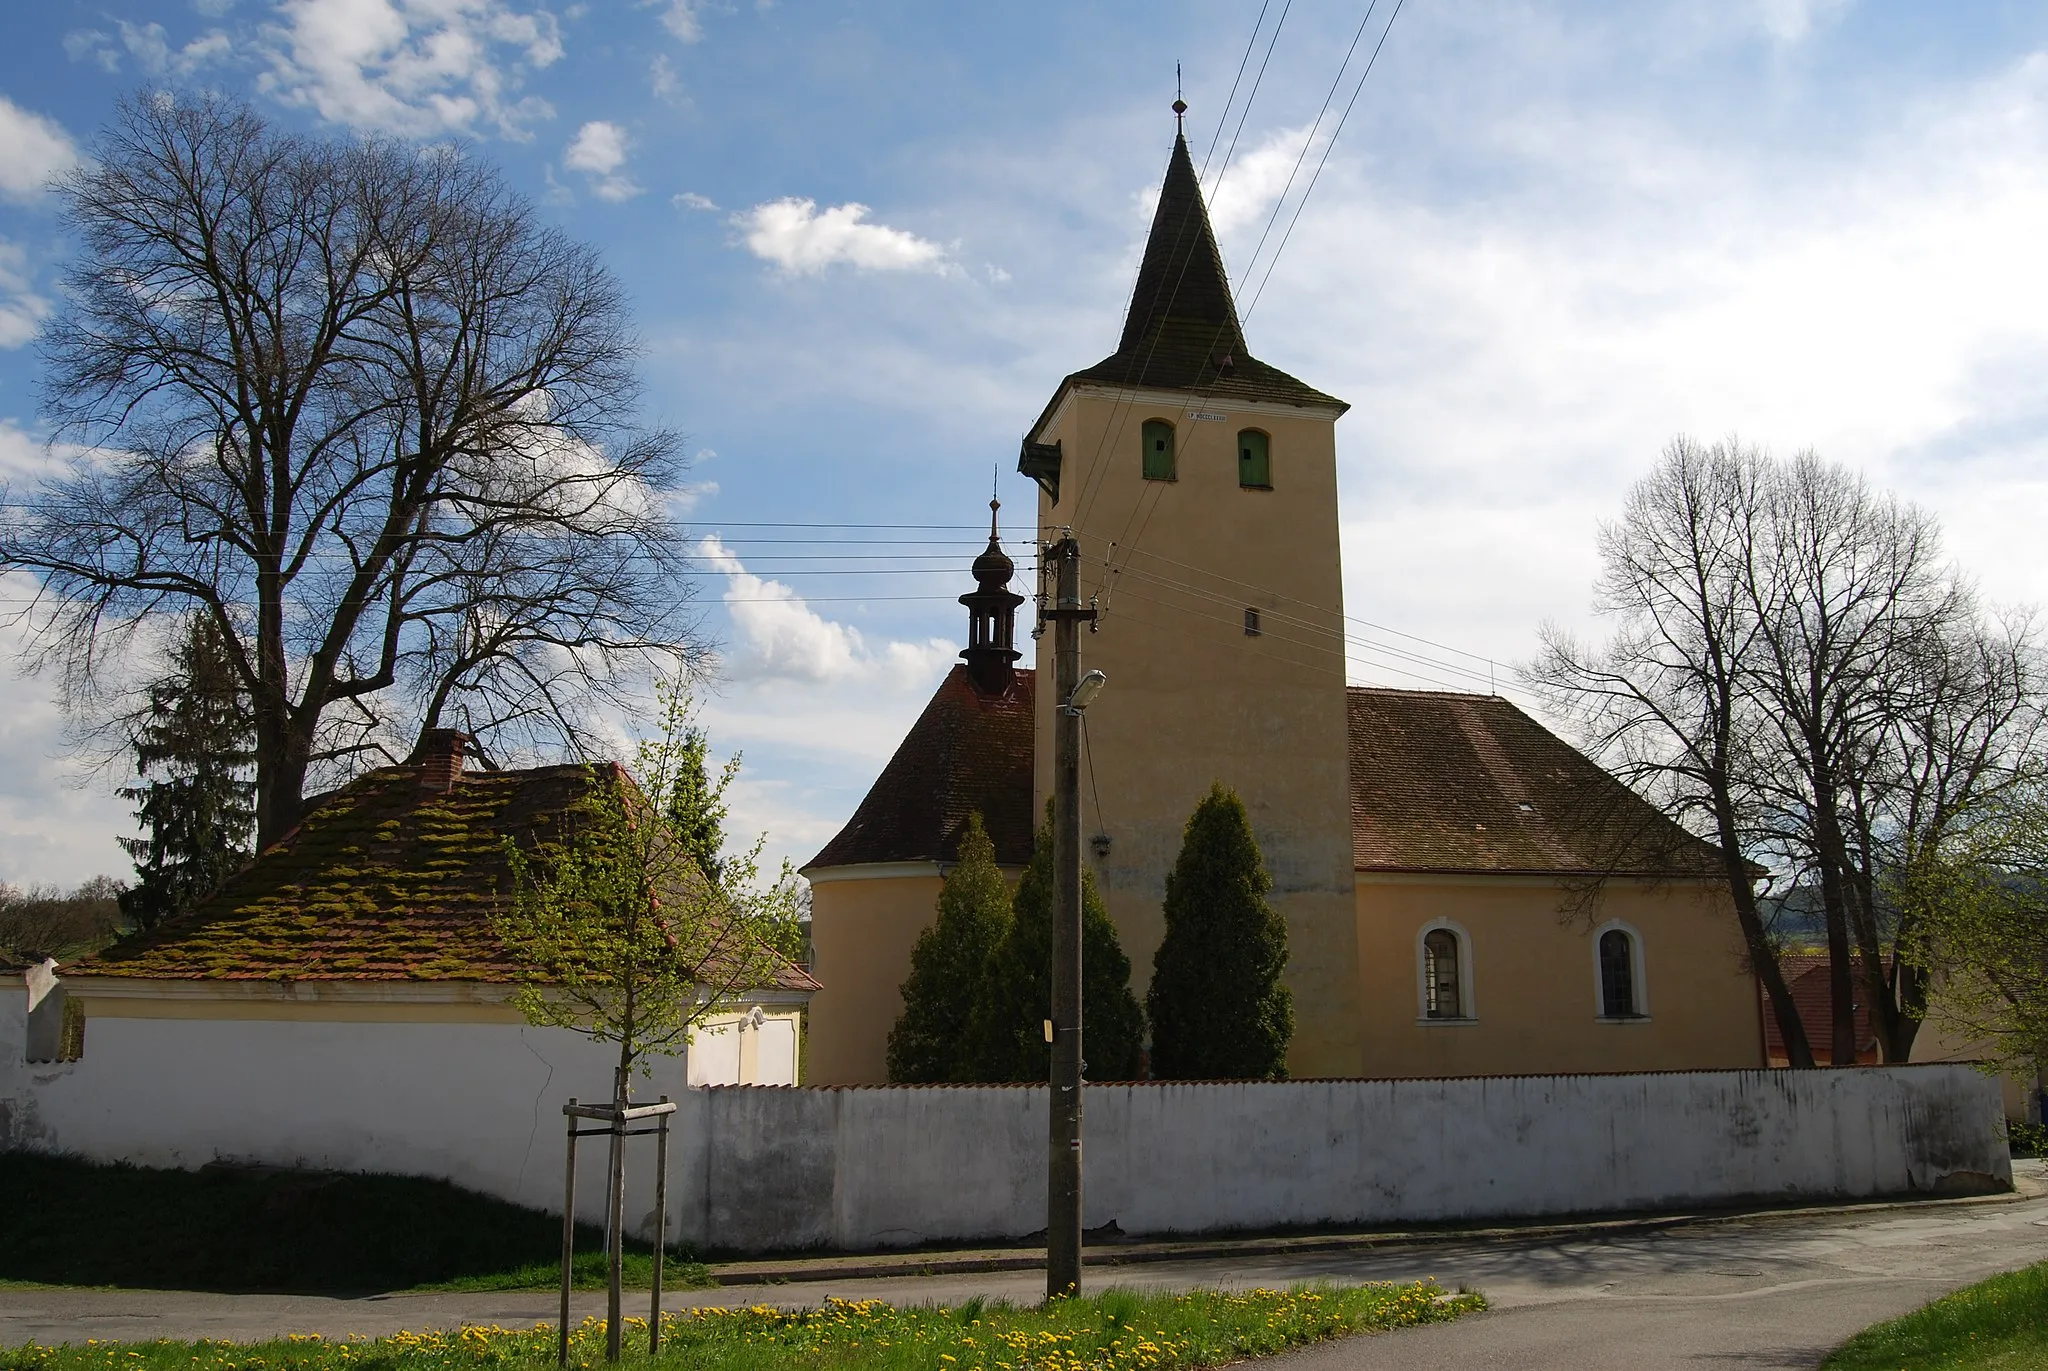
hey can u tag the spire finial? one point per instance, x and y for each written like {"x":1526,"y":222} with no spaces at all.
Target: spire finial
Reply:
{"x":1180,"y":106}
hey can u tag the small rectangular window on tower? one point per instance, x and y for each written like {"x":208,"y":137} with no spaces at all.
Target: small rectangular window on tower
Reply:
{"x":1254,"y":460}
{"x":1251,"y":623}
{"x":1157,"y":435}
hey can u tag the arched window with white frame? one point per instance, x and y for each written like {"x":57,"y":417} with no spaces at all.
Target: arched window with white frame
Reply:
{"x":1620,"y":992}
{"x":1443,"y":953}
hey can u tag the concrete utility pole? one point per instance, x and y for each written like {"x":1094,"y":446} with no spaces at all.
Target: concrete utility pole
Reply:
{"x":1063,"y":1170}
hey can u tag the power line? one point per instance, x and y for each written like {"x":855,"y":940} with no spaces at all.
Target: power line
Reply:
{"x":1231,"y":99}
{"x":1121,"y":412}
{"x":1338,"y":131}
{"x":1336,"y":82}
{"x":1245,"y":113}
{"x":1335,"y":637}
{"x":1277,"y":204}
{"x":1308,"y":604}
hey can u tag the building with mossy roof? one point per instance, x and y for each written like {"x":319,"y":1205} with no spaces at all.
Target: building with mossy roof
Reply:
{"x":380,"y":903}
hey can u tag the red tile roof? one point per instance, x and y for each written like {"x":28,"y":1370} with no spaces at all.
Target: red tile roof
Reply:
{"x":966,"y":752}
{"x":1452,"y":782}
{"x":381,"y":881}
{"x":1439,"y":782}
{"x":1806,"y":976}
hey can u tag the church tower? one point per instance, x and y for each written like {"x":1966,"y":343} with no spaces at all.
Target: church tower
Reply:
{"x":1201,"y":484}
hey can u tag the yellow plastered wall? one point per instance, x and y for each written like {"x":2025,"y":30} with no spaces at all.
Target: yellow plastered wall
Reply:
{"x":1533,"y":981}
{"x":864,"y":923}
{"x":1935,"y":1043}
{"x":1192,"y":698}
{"x":746,"y":1048}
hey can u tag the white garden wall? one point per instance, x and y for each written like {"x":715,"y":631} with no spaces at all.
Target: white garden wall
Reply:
{"x":758,"y":1168}
{"x":874,"y":1167}
{"x":476,"y":1104}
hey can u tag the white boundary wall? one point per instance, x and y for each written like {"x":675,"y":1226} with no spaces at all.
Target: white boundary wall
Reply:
{"x":476,"y":1104}
{"x":893,"y":1166}
{"x":760,"y":1168}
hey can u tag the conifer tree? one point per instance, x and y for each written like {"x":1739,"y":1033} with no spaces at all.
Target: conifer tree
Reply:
{"x":947,"y":969}
{"x":1008,"y":1030}
{"x":697,"y":808}
{"x":1217,"y":1004}
{"x":197,"y":801}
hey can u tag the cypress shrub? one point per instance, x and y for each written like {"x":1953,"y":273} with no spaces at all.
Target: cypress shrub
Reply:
{"x":930,"y":1041}
{"x":1217,"y":1004}
{"x":1008,"y":1031}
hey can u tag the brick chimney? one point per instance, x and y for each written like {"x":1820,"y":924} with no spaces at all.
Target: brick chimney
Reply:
{"x":439,"y":758}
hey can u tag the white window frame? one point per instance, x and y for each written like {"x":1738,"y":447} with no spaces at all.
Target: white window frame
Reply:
{"x":1640,"y":981}
{"x":1468,"y":1003}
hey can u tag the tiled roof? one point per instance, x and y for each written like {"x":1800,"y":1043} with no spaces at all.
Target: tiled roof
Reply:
{"x":1439,"y":782}
{"x":966,"y":752}
{"x":1806,"y":976}
{"x":1451,"y":782}
{"x":1182,"y":330}
{"x":381,"y":881}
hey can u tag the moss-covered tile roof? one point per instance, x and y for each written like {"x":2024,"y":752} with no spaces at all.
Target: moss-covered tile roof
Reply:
{"x":381,"y":881}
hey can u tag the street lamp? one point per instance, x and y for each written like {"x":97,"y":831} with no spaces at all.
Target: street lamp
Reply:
{"x":1084,"y":694}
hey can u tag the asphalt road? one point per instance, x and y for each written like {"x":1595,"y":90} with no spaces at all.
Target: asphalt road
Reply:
{"x":1775,"y":1291}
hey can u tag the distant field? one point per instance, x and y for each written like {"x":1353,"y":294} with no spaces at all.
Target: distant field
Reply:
{"x":67,"y":1222}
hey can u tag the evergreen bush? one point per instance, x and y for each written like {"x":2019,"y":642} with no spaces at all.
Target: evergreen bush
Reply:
{"x":1217,"y":1004}
{"x":949,"y":965}
{"x":195,"y":799}
{"x":1008,"y":1030}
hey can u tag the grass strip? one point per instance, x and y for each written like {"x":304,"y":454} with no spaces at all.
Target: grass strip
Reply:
{"x":1118,"y":1330}
{"x":242,"y":1230}
{"x":2001,"y":1323}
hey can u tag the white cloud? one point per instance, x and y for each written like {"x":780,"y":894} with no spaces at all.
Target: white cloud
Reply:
{"x":690,"y":199}
{"x":598,"y":151}
{"x":213,"y":9}
{"x":21,"y":308}
{"x":151,"y":48}
{"x":680,"y":18}
{"x":794,"y":235}
{"x":662,"y":79}
{"x":1517,"y":358}
{"x":414,"y":67}
{"x":1241,"y":192}
{"x":32,"y":149}
{"x":57,"y":822}
{"x":22,"y":458}
{"x":80,"y":44}
{"x":780,"y":638}
{"x":1789,"y":21}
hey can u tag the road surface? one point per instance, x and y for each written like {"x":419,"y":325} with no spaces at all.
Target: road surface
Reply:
{"x":1773,"y":1291}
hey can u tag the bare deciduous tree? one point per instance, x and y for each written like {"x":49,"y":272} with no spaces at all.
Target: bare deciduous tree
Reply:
{"x":349,"y":399}
{"x":1800,"y":675}
{"x":1665,"y":703}
{"x":44,"y":921}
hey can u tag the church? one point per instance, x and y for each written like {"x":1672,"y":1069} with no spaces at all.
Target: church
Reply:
{"x":1465,"y":894}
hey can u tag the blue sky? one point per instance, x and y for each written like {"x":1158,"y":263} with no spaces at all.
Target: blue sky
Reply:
{"x":864,"y":242}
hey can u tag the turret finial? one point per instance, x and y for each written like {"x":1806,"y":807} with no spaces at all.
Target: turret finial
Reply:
{"x":1180,"y":105}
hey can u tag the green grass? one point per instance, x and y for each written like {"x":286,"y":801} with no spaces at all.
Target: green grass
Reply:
{"x":68,"y":1222}
{"x":1118,"y":1330}
{"x":2001,"y":1323}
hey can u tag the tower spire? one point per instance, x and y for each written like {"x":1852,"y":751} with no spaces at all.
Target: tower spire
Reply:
{"x":992,"y":614}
